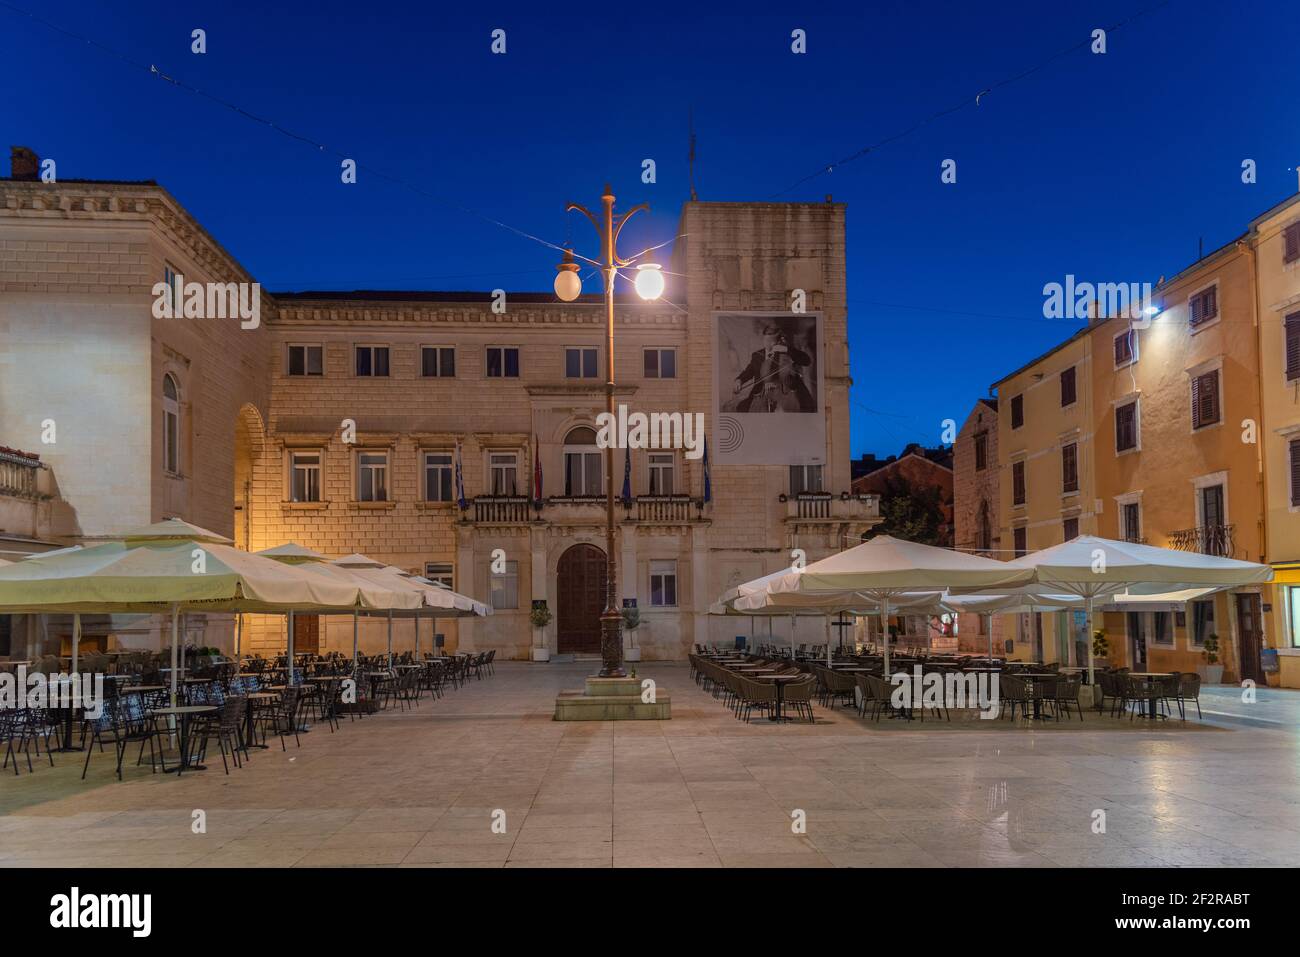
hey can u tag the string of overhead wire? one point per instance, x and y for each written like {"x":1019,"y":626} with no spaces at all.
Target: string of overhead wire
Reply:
{"x":968,"y":100}
{"x":153,"y":70}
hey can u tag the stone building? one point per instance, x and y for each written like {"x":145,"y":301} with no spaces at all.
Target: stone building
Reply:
{"x":976,"y":516}
{"x":340,"y":420}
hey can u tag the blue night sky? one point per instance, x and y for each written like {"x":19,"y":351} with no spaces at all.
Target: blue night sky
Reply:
{"x":1110,"y":167}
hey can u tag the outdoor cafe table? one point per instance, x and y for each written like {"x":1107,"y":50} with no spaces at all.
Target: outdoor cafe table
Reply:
{"x":1031,"y":680}
{"x":780,"y":693}
{"x":185,"y":713}
{"x":1150,"y":677}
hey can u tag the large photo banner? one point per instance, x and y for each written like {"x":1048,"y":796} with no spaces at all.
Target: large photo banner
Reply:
{"x":768,"y":389}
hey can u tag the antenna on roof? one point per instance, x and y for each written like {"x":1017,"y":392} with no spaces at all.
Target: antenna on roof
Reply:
{"x":690,"y":158}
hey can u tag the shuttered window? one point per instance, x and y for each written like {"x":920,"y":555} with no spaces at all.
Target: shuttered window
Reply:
{"x":1291,"y":243}
{"x":1068,"y":391}
{"x":1205,"y":399}
{"x":1292,"y":326}
{"x":1017,"y":483}
{"x":1070,"y":468}
{"x":1070,"y":528}
{"x":1124,"y":348}
{"x":1017,"y":411}
{"x":1294,"y":448}
{"x":1203,"y":306}
{"x":1126,"y":427}
{"x":1018,"y":540}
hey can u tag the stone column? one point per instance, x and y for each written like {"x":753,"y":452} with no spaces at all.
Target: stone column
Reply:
{"x":465,"y":584}
{"x":700,"y":597}
{"x":540,"y":584}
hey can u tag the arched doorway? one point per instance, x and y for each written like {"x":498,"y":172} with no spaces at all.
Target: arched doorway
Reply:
{"x":249,"y":436}
{"x":580,"y":599}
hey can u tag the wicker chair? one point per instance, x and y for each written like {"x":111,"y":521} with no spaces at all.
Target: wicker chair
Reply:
{"x":1189,"y":689}
{"x":1067,"y":695}
{"x":798,"y":695}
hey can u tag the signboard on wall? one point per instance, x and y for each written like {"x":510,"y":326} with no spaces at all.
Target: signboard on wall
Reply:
{"x":768,"y":389}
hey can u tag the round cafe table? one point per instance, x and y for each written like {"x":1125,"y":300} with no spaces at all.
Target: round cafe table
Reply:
{"x":780,"y":681}
{"x":186,"y":713}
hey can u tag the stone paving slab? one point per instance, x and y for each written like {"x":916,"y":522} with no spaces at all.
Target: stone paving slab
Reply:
{"x":485,"y":778}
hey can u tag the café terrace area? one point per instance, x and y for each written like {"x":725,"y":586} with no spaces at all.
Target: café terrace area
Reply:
{"x":776,"y":758}
{"x":423,"y":786}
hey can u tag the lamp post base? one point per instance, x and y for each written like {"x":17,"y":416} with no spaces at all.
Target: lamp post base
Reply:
{"x":611,"y":644}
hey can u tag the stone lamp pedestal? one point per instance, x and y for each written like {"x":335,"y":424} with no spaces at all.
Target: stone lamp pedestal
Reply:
{"x":612,"y":699}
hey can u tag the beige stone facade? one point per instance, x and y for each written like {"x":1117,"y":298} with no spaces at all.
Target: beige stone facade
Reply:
{"x":976,"y":511}
{"x":82,"y":347}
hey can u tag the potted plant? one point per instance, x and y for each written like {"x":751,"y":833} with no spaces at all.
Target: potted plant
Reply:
{"x":632,"y":621}
{"x":1211,"y":672}
{"x":540,"y":617}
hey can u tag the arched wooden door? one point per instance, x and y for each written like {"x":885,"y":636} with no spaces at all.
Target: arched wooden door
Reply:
{"x":580,"y":591}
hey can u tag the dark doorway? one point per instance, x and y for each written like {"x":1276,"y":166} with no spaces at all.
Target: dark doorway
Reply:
{"x":580,"y":591}
{"x":1249,"y":637}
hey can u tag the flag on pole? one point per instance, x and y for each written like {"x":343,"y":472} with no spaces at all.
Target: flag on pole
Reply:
{"x":537,"y":475}
{"x":460,"y":482}
{"x":627,"y":475}
{"x":708,"y":481}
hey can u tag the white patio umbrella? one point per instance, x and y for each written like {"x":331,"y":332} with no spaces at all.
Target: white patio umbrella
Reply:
{"x":886,"y":567}
{"x":165,"y":568}
{"x":442,"y":602}
{"x":1091,"y":567}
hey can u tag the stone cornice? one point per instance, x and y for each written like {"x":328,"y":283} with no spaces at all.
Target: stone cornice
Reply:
{"x":466,"y":315}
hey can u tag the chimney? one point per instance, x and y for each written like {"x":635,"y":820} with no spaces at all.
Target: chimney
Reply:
{"x":23,"y":163}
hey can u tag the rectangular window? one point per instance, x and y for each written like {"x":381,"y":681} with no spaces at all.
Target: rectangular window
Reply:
{"x":372,"y":476}
{"x":1070,"y":467}
{"x":505,"y":586}
{"x":1203,"y":621}
{"x":1018,"y":483}
{"x":503,"y":472}
{"x":437,"y":362}
{"x":663,"y":584}
{"x":304,"y":476}
{"x":981,"y":451}
{"x":1017,"y":411}
{"x":440,"y":572}
{"x":173,"y":282}
{"x":1126,"y":426}
{"x":6,"y":635}
{"x":1162,"y":628}
{"x":1069,"y":390}
{"x":1205,"y":399}
{"x":583,"y":471}
{"x":1130,"y":521}
{"x":660,"y":363}
{"x":1292,"y":327}
{"x":503,"y":362}
{"x":1018,"y":541}
{"x":805,"y":478}
{"x":306,"y":360}
{"x":580,"y":362}
{"x":1203,"y":306}
{"x":437,"y":476}
{"x":1291,"y":243}
{"x":661,"y":473}
{"x":1126,"y":347}
{"x":372,"y":360}
{"x":1071,"y":528}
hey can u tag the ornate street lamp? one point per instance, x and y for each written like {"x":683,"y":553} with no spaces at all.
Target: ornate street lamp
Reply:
{"x":649,"y":285}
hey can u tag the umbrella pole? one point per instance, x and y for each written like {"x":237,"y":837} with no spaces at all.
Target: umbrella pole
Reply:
{"x":988,"y":627}
{"x":1087,"y":611}
{"x":390,"y":637}
{"x":176,"y":628}
{"x":827,"y":620}
{"x":76,"y":640}
{"x":354,"y":640}
{"x":288,"y":648}
{"x":417,"y":636}
{"x":239,"y":641}
{"x":884,"y":630}
{"x":751,"y":631}
{"x":793,"y":623}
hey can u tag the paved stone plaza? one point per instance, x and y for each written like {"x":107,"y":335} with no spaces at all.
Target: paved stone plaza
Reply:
{"x":421,"y":788}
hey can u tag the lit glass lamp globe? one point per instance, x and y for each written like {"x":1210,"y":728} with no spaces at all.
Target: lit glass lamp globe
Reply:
{"x":649,"y":280}
{"x":568,"y":285}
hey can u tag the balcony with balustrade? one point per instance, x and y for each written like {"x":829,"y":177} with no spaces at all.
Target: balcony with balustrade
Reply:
{"x":582,"y":510}
{"x":814,"y":510}
{"x":1207,"y":539}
